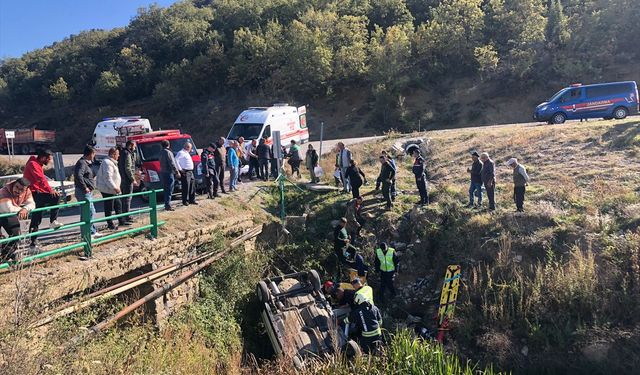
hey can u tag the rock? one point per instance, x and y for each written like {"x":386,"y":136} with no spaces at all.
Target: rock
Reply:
{"x":400,"y":246}
{"x":413,"y":319}
{"x":296,"y":222}
{"x":525,"y":350}
{"x":517,"y":258}
{"x":597,"y":351}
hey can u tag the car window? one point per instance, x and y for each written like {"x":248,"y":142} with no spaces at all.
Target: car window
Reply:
{"x":247,"y":131}
{"x":570,"y":95}
{"x":151,"y":151}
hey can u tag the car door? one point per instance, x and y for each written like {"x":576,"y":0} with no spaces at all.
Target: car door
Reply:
{"x":571,"y":102}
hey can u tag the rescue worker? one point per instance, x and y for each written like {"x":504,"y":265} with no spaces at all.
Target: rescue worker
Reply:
{"x":367,"y":320}
{"x":209,"y":170}
{"x":387,"y":174}
{"x":355,"y":260}
{"x":520,"y":180}
{"x":340,"y":239}
{"x":420,"y":174}
{"x":365,"y":291}
{"x":386,"y":263}
{"x":476,"y":180}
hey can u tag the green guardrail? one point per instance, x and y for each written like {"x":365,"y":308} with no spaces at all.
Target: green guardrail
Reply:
{"x":85,"y":224}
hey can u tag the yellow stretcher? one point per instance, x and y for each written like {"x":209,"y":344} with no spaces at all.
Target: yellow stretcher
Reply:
{"x":448,"y":299}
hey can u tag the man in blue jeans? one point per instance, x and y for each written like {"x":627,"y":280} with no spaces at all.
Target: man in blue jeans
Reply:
{"x":476,"y":180}
{"x":84,"y":181}
{"x":168,"y":173}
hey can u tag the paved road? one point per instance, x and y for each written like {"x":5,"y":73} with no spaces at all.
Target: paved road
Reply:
{"x":71,"y":159}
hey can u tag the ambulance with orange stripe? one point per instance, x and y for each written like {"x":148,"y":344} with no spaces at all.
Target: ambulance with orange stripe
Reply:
{"x":261,"y":122}
{"x":605,"y":100}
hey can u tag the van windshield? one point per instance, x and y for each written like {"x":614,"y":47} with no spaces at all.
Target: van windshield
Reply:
{"x":247,"y":131}
{"x":151,"y":151}
{"x":556,"y":96}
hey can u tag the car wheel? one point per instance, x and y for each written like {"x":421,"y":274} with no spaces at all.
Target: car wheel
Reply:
{"x":145,"y":198}
{"x":314,"y":278}
{"x":620,"y":113}
{"x":263,"y":292}
{"x":352,"y":349}
{"x":559,"y":118}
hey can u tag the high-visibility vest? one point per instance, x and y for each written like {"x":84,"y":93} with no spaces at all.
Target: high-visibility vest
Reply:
{"x":366,"y":293}
{"x":386,"y":260}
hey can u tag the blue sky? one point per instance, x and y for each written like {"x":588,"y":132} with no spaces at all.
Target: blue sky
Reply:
{"x":26,"y":25}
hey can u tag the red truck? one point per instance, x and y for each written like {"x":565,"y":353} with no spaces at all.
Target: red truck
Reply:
{"x":148,"y":151}
{"x":26,"y":141}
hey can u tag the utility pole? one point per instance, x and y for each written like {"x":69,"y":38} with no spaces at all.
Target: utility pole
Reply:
{"x":321,"y":137}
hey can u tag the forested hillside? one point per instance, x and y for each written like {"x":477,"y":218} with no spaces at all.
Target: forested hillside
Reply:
{"x":377,"y":64}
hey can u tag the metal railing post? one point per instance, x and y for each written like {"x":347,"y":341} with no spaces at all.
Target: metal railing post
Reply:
{"x":153,"y":214}
{"x":85,"y":229}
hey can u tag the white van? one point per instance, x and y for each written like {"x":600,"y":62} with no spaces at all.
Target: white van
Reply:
{"x":104,"y":136}
{"x":259,"y":122}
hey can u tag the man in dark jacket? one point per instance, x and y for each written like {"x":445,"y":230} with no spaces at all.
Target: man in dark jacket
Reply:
{"x":476,"y":180}
{"x":127,"y":169}
{"x":419,"y":173}
{"x":168,"y":173}
{"x":387,"y":174}
{"x":209,"y":170}
{"x":220,"y":154}
{"x":488,"y":174}
{"x":366,"y":319}
{"x":264,"y":155}
{"x":83,"y":179}
{"x":520,"y":181}
{"x":392,"y":162}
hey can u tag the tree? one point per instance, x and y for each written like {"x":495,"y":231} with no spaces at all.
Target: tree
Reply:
{"x":387,"y":13}
{"x":59,"y":91}
{"x":556,"y":30}
{"x":487,"y":59}
{"x":516,"y":28}
{"x":389,"y":53}
{"x":447,"y":41}
{"x":135,"y":69}
{"x":108,"y":87}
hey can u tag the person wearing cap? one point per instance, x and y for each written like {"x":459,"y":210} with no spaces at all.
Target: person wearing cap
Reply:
{"x":419,"y":171}
{"x":520,"y":180}
{"x":488,"y":175}
{"x":220,"y":154}
{"x":386,"y":264}
{"x":476,"y":180}
{"x":366,"y":319}
{"x":43,"y":194}
{"x":15,"y":197}
{"x":209,"y":170}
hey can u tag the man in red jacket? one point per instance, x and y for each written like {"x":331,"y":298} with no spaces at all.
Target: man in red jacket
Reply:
{"x":43,"y":194}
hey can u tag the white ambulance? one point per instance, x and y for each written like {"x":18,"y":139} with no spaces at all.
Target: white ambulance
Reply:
{"x":260,"y":122}
{"x":104,"y":136}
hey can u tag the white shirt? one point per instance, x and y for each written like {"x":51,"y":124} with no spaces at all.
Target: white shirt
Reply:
{"x":184,"y":161}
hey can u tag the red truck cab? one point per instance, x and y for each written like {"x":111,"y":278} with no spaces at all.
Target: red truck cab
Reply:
{"x":148,"y":151}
